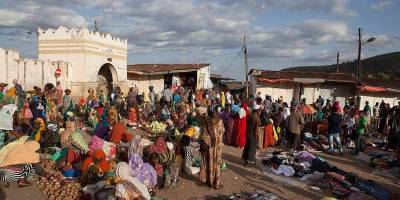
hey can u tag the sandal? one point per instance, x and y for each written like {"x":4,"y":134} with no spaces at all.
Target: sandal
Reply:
{"x":23,"y":183}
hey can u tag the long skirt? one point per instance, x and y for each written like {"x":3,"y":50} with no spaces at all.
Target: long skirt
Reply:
{"x":250,"y":149}
{"x":229,"y":128}
{"x":269,"y":136}
{"x":260,"y":137}
{"x":241,"y":132}
{"x":210,"y":170}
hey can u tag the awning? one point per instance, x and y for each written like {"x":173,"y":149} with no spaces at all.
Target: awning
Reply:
{"x":366,"y":88}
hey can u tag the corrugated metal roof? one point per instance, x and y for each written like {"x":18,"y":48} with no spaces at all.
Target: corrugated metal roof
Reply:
{"x":296,"y":75}
{"x":164,"y":68}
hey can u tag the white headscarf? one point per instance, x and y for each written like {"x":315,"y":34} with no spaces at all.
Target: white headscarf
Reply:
{"x":124,"y":171}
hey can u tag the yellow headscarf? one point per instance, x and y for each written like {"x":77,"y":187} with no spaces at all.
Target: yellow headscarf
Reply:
{"x":11,"y":92}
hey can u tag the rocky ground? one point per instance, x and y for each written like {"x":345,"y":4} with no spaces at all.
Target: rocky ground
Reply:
{"x":238,"y":178}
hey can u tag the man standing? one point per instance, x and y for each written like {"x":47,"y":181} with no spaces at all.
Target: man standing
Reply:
{"x":367,"y":109}
{"x":167,"y":94}
{"x":152,"y":97}
{"x":361,"y":128}
{"x":334,"y":125}
{"x":296,"y":123}
{"x":249,"y":151}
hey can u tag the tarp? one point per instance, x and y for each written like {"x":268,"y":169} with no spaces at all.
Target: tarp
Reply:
{"x":6,"y":119}
{"x":19,"y":152}
{"x":366,"y":88}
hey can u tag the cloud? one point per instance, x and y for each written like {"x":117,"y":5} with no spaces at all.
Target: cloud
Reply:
{"x":181,"y":28}
{"x":381,"y":5}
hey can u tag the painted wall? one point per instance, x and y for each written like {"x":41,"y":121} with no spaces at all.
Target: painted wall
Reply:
{"x":203,"y":78}
{"x":143,"y":82}
{"x":340,"y":92}
{"x":333,"y":91}
{"x":275,"y":90}
{"x":373,"y":97}
{"x":30,"y":72}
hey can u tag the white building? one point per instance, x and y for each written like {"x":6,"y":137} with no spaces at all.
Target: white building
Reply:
{"x":86,"y":59}
{"x":160,"y":75}
{"x":334,"y":86}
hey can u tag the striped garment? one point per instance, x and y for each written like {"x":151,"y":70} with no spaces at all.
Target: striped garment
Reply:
{"x":188,"y":151}
{"x":7,"y":175}
{"x":167,"y":158}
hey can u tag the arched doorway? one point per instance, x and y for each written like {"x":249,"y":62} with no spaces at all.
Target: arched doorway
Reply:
{"x":106,"y":76}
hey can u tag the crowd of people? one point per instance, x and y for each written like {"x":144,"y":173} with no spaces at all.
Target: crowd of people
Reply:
{"x":110,"y":136}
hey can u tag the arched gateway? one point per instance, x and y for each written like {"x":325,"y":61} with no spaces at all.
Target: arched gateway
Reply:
{"x":97,"y":59}
{"x":106,"y":76}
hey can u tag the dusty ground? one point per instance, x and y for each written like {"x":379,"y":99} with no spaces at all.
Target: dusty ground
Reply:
{"x":238,"y":178}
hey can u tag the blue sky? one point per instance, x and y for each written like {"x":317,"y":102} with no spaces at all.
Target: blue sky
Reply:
{"x":280,"y":33}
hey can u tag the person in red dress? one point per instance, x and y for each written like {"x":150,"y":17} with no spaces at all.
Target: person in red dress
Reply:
{"x":241,"y":123}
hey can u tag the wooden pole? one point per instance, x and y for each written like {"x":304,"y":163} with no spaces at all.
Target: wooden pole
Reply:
{"x":246,"y":67}
{"x":337,"y":62}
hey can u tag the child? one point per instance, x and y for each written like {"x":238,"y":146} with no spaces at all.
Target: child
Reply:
{"x":361,"y":127}
{"x":26,"y":116}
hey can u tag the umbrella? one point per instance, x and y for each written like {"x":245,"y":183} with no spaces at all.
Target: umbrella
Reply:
{"x":308,"y":110}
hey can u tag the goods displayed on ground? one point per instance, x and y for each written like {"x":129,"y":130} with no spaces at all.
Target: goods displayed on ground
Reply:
{"x":157,"y":127}
{"x":256,"y":195}
{"x":321,"y":175}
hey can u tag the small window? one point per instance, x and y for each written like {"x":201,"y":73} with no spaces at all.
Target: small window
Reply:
{"x":109,"y":59}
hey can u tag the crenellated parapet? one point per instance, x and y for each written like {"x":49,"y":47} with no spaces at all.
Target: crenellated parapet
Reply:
{"x":63,"y":33}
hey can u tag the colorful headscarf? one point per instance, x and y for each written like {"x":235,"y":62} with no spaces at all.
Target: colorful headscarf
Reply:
{"x":143,"y":171}
{"x":135,"y":146}
{"x":124,"y":171}
{"x":159,"y":147}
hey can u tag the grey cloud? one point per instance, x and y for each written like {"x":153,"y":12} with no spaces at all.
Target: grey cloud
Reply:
{"x":381,"y":5}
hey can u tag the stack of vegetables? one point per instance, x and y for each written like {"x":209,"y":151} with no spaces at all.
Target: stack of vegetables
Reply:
{"x":157,"y":127}
{"x":54,"y":187}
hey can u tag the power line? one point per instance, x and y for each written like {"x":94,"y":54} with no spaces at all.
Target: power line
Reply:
{"x":237,"y":55}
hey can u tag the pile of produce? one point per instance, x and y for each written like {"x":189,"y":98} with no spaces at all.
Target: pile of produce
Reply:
{"x":157,"y":127}
{"x":54,"y":187}
{"x":48,"y":165}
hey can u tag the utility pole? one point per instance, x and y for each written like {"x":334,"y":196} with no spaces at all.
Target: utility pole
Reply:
{"x":359,"y":54}
{"x":337,"y":62}
{"x":246,"y":67}
{"x":96,"y":28}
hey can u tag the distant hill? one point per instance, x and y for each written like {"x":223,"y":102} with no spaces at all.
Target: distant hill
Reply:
{"x":385,"y":66}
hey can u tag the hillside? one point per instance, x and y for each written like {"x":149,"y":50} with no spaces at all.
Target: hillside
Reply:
{"x":385,"y":66}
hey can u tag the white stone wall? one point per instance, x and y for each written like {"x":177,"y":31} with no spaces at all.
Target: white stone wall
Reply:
{"x":86,"y":51}
{"x":30,"y":72}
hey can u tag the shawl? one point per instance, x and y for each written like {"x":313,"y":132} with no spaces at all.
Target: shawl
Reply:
{"x":144,"y":172}
{"x":136,"y":146}
{"x":109,"y":148}
{"x":102,"y":129}
{"x":124,"y":171}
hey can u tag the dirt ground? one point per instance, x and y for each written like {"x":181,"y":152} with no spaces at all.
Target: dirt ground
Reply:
{"x":238,"y":178}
